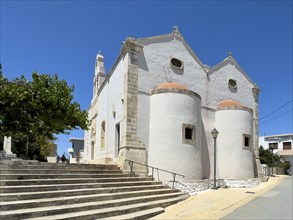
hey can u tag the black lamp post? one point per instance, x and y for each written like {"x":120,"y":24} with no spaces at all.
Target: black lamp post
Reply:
{"x":272,"y":148}
{"x":215,"y":135}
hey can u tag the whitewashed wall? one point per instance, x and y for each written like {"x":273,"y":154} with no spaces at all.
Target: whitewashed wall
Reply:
{"x":109,"y":99}
{"x":208,"y":124}
{"x":154,"y":66}
{"x":143,"y":118}
{"x":233,"y":161}
{"x":219,"y":89}
{"x":166,"y":150}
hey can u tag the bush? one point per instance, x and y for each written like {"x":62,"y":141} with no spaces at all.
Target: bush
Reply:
{"x":286,"y":166}
{"x":267,"y":157}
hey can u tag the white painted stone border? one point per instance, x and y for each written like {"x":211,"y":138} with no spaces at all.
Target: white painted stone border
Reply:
{"x":194,"y":187}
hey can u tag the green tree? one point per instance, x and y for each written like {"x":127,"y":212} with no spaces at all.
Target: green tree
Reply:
{"x":286,"y":166}
{"x":37,"y":110}
{"x":267,"y":157}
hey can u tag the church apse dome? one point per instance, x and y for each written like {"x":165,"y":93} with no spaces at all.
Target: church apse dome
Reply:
{"x":235,"y":141}
{"x":175,"y":131}
{"x":228,"y":103}
{"x":171,"y":85}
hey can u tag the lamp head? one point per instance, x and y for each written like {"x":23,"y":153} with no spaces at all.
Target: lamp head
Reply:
{"x":215,"y":133}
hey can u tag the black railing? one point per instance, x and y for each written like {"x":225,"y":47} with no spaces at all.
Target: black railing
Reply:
{"x":131,"y":162}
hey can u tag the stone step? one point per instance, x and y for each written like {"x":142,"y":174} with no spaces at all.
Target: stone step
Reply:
{"x":145,"y":214}
{"x":112,"y":211}
{"x":24,"y":164}
{"x":80,"y":207}
{"x":31,"y":189}
{"x":74,"y":192}
{"x":59,"y":176}
{"x":21,"y":162}
{"x":34,"y":203}
{"x":70,"y":181}
{"x":57,"y":171}
{"x":39,"y":188}
{"x":62,"y":166}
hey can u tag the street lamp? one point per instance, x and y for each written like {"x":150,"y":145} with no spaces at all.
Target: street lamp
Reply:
{"x":272,"y":148}
{"x":215,"y":135}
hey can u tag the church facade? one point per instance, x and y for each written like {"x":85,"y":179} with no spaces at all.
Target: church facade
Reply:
{"x":158,"y":105}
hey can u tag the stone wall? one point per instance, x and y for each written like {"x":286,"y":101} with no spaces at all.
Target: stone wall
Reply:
{"x":194,"y":187}
{"x":258,"y":173}
{"x":131,"y":146}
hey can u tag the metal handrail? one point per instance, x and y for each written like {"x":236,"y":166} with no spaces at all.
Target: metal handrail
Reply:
{"x":131,"y":162}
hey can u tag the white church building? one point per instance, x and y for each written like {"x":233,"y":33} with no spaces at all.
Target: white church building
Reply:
{"x":158,"y":105}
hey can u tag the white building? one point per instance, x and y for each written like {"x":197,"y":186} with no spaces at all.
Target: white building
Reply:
{"x":76,"y":149}
{"x":158,"y":105}
{"x":280,"y":144}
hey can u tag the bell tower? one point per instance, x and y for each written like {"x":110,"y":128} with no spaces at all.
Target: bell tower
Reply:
{"x":100,"y":74}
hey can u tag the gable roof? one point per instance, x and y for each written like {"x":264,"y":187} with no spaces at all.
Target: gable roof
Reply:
{"x":207,"y":69}
{"x":138,"y":42}
{"x":174,"y":34}
{"x":229,"y":60}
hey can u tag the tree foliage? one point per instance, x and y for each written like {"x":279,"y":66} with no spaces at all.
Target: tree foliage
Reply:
{"x":286,"y":166}
{"x":267,"y":157}
{"x":38,"y":109}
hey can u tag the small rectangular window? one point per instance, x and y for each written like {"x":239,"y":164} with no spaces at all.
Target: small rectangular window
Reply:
{"x":246,"y":141}
{"x":287,"y":145}
{"x":273,"y":145}
{"x":188,"y":134}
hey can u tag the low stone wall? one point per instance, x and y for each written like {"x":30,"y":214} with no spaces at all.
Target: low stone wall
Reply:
{"x":194,"y":187}
{"x":7,"y":156}
{"x":52,"y":159}
{"x":241,"y":183}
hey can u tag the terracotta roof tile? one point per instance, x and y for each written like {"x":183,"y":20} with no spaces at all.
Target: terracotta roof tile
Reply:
{"x":171,"y":85}
{"x":229,"y":102}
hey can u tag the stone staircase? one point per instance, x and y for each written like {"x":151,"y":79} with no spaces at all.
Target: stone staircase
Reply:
{"x":35,"y":190}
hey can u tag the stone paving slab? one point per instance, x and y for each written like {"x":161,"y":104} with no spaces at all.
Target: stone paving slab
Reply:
{"x":145,"y":214}
{"x":215,"y":204}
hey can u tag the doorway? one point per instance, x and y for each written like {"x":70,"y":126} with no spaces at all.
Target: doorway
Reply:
{"x":93,"y":150}
{"x":117,"y":139}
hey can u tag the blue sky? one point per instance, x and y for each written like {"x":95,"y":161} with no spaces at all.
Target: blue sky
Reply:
{"x":64,"y":37}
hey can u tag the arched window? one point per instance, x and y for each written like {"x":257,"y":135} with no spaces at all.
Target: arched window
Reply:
{"x":103,"y":129}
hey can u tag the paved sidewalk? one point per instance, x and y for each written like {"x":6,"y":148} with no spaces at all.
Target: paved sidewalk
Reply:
{"x":215,"y":204}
